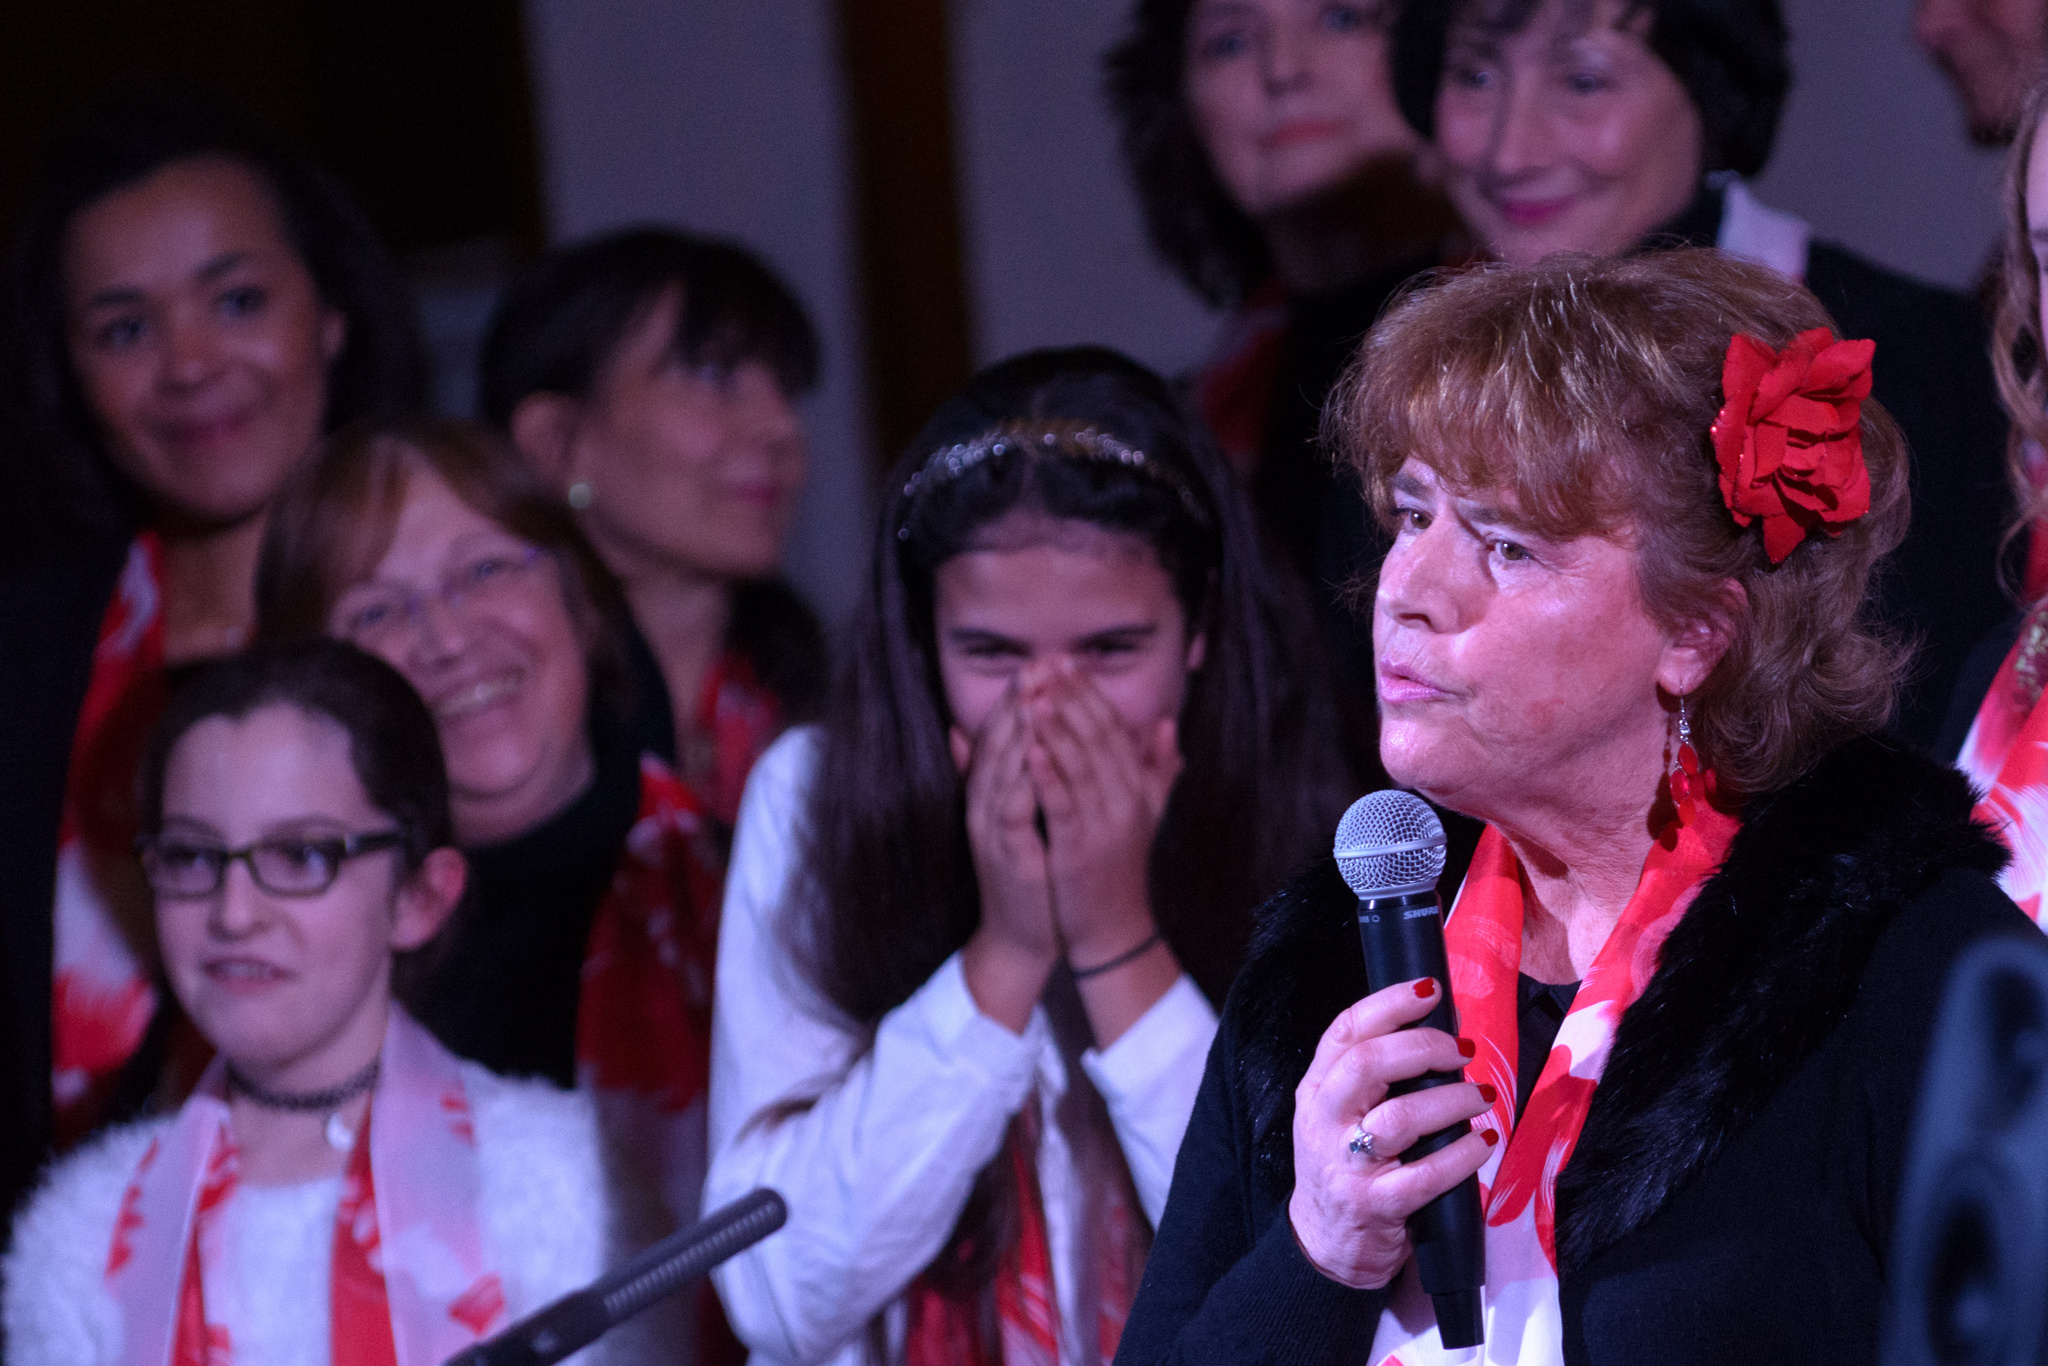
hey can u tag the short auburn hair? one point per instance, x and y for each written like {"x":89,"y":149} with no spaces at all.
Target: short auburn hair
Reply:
{"x":334,"y":520}
{"x":1586,"y":389}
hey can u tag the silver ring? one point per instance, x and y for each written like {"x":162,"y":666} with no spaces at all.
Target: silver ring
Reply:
{"x":1361,"y":1141}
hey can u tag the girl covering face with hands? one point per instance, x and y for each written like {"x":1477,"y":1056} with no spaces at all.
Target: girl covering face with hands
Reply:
{"x":977,"y":921}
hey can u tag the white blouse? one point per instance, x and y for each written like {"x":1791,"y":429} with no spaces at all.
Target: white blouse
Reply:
{"x":877,"y":1166}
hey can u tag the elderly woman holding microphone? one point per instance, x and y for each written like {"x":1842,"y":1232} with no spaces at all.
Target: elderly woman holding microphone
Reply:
{"x":1636,"y":504}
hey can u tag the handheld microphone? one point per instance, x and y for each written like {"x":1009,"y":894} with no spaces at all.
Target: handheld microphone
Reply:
{"x":1390,"y":849}
{"x":582,"y":1316}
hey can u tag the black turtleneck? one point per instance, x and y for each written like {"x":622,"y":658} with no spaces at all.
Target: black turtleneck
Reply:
{"x":503,"y":989}
{"x":1540,"y":1008}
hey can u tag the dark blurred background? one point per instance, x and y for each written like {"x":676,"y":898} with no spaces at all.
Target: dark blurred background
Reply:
{"x":937,"y":178}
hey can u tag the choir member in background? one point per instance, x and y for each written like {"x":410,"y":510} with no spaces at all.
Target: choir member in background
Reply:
{"x":979,"y":920}
{"x":1636,"y":504}
{"x":1997,"y":725}
{"x":339,"y":1188}
{"x":585,"y":951}
{"x":1278,"y":180}
{"x":188,"y":308}
{"x":651,"y":377}
{"x":1612,"y":126}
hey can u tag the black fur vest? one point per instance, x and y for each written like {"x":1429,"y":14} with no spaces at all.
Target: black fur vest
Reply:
{"x":1763,"y":967}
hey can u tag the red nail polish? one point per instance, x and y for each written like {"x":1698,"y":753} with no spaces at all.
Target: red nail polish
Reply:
{"x":1490,"y":1136}
{"x":1468,"y":1049}
{"x":1426,"y":988}
{"x":1487,"y":1093}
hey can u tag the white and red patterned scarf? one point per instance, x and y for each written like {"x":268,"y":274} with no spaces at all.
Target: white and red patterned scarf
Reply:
{"x":1518,"y":1184}
{"x":643,"y":1019}
{"x":2006,"y":757}
{"x":410,"y":1284}
{"x":943,"y":1330}
{"x":741,"y":718}
{"x":101,"y":1000}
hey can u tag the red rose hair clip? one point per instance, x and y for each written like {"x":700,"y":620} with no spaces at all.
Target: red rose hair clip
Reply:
{"x":1789,"y":437}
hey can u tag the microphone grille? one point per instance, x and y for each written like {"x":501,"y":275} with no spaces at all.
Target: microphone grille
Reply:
{"x":1389,"y":843}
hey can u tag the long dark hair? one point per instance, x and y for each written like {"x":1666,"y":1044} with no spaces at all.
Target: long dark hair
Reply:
{"x":381,"y":368}
{"x":889,"y":891}
{"x":561,"y":323}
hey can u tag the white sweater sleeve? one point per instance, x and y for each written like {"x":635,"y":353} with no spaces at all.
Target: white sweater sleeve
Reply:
{"x":1148,"y":1079}
{"x":877,"y":1150}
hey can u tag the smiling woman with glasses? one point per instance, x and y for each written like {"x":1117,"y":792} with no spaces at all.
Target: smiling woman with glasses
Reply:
{"x":585,"y":954}
{"x":298,"y":841}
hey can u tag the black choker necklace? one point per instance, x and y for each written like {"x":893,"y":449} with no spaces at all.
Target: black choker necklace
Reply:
{"x":305,"y":1102}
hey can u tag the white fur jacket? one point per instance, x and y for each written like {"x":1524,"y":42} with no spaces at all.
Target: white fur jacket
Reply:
{"x":554,"y":1219}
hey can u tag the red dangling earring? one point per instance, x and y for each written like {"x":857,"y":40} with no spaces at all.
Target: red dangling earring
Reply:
{"x":1684,"y":779}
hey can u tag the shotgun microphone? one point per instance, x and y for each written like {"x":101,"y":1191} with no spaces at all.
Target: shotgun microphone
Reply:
{"x":582,"y":1316}
{"x":1390,"y":849}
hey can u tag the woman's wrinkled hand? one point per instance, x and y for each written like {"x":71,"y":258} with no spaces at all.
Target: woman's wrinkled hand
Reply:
{"x":1103,"y":791}
{"x":1350,"y":1211}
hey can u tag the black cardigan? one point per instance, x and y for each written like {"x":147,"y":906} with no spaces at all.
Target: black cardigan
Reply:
{"x":1731,"y":1195}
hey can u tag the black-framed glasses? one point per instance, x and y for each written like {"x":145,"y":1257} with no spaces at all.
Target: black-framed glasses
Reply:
{"x":290,"y":865}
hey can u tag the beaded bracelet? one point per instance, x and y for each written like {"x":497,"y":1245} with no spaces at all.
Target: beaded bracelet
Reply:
{"x":1082,"y":974}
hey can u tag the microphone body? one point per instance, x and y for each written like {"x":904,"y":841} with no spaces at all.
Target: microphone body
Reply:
{"x":1403,"y":937}
{"x":1390,"y":849}
{"x":582,"y":1316}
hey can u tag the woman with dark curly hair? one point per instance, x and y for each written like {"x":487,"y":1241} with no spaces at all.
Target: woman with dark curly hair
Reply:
{"x":1277,"y":179}
{"x":1698,"y":953}
{"x":1612,"y":126}
{"x":189,"y":308}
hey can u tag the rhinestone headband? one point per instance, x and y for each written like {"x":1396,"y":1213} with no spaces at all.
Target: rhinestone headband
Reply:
{"x":1074,"y":440}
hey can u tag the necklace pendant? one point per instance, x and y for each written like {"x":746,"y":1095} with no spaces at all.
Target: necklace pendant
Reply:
{"x":340,"y":1137}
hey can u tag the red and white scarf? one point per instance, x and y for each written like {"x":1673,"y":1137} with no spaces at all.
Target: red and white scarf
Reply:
{"x":101,"y":1000}
{"x":1518,"y":1184}
{"x":643,"y":1020}
{"x":741,"y":718}
{"x":942,"y":1330}
{"x":2006,"y":758}
{"x":411,"y":1285}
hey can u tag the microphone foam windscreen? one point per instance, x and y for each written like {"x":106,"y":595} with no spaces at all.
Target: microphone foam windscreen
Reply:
{"x":1389,"y":843}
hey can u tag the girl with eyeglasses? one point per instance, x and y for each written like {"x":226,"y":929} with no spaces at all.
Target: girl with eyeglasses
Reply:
{"x":585,"y":952}
{"x":340,"y":1188}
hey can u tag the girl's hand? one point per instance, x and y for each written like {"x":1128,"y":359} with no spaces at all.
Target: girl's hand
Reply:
{"x":1349,"y":1211}
{"x":1103,"y":792}
{"x":1013,"y":950}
